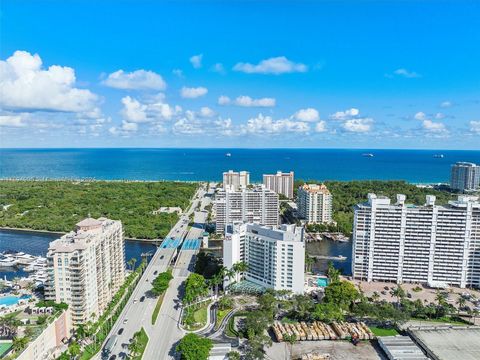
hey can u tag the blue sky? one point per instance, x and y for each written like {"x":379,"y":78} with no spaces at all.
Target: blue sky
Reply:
{"x":341,"y":74}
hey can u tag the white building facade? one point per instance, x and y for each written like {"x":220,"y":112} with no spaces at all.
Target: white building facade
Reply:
{"x":431,"y":244}
{"x":465,"y":176}
{"x":87,"y":267}
{"x":236,"y":180}
{"x":314,"y":203}
{"x":281,"y":183}
{"x":256,"y":205}
{"x":275,"y":256}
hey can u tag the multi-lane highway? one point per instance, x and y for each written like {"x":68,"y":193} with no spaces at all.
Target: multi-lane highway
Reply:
{"x":138,"y":311}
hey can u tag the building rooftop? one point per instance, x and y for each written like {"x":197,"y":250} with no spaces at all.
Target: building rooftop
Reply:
{"x":315,"y":188}
{"x":401,"y":348}
{"x":447,"y":343}
{"x":89,"y":222}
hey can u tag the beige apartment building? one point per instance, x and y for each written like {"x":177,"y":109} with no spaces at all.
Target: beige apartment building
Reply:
{"x":87,"y":267}
{"x":236,"y":180}
{"x":314,"y":203}
{"x":281,"y":183}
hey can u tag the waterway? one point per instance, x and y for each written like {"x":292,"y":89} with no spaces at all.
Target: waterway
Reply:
{"x":36,"y":243}
{"x":331,"y":248}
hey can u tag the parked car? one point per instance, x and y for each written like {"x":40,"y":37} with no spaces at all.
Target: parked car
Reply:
{"x":120,"y":332}
{"x":125,"y":321}
{"x":142,"y":299}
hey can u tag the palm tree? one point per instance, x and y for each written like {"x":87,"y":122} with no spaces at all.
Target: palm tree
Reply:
{"x":19,"y":343}
{"x":74,"y":350}
{"x":309,"y":261}
{"x":134,"y":346}
{"x":461,"y":303}
{"x":333,"y":273}
{"x":440,"y":298}
{"x":375,"y":296}
{"x":399,"y":293}
{"x":240,"y":267}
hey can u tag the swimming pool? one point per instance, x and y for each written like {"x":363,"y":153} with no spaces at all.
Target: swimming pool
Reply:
{"x":322,"y":282}
{"x":12,"y":300}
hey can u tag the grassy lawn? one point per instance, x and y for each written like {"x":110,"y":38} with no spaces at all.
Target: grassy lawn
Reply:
{"x":220,"y":316}
{"x":143,"y":341}
{"x":377,"y":331}
{"x":198,"y":318}
{"x":156,"y":311}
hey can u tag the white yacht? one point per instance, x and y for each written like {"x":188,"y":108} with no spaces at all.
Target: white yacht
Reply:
{"x":7,"y":261}
{"x":22,"y":258}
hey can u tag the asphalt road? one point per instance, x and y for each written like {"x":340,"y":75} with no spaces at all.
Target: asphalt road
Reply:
{"x":164,"y":335}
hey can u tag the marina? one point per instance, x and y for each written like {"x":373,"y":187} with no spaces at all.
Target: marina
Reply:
{"x":25,"y":254}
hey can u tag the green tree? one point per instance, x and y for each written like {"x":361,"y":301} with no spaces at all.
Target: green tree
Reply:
{"x":399,"y":293}
{"x":333,"y":273}
{"x":328,"y":312}
{"x":19,"y":343}
{"x":194,"y":347}
{"x":195,"y":287}
{"x":161,"y":282}
{"x":74,"y":350}
{"x":461,"y":303}
{"x":341,"y":293}
{"x":134,"y":346}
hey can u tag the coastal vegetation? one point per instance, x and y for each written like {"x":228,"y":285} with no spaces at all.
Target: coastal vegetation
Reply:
{"x":58,"y":205}
{"x":346,"y":194}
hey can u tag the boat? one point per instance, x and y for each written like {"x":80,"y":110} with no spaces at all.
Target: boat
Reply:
{"x":439,"y":156}
{"x":8,"y":261}
{"x":22,"y":258}
{"x":228,"y":154}
{"x":326,"y":257}
{"x":367,"y":155}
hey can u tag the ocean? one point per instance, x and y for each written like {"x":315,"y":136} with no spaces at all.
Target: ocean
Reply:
{"x":416,"y":166}
{"x":36,"y":243}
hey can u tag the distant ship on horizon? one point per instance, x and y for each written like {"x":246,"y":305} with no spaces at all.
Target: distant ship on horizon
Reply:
{"x":367,"y":155}
{"x":439,"y":156}
{"x":228,"y":154}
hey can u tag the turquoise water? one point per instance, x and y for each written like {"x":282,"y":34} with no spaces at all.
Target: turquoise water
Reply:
{"x":12,"y":300}
{"x":322,"y":282}
{"x":418,"y":166}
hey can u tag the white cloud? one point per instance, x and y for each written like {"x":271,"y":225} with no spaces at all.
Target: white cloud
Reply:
{"x":439,"y":116}
{"x":433,"y":127}
{"x":187,"y":126}
{"x":266,"y":125}
{"x":206,"y":112}
{"x":358,"y":125}
{"x":446,"y":104}
{"x":406,"y":73}
{"x":196,"y":61}
{"x":276,"y":65}
{"x":309,"y":114}
{"x":344,"y":115}
{"x":223,"y":100}
{"x":136,"y":80}
{"x":321,"y":126}
{"x":154,"y":109}
{"x":247,"y":101}
{"x":24,"y":85}
{"x":475,"y":127}
{"x":11,"y":121}
{"x":420,"y":115}
{"x":218,"y":68}
{"x":133,"y":110}
{"x":192,"y":93}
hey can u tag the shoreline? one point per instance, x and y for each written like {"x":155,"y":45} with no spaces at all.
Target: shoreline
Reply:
{"x":60,"y":233}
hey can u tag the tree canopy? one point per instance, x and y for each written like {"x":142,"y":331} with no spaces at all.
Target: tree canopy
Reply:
{"x":194,"y":347}
{"x":58,"y":205}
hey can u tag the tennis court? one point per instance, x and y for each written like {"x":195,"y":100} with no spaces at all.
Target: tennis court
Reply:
{"x":4,"y":347}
